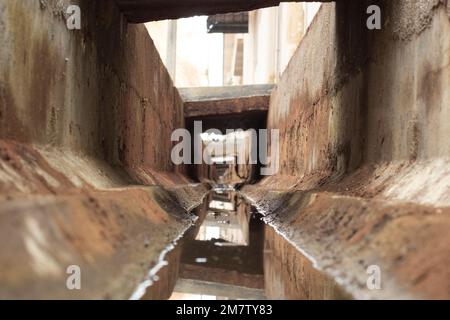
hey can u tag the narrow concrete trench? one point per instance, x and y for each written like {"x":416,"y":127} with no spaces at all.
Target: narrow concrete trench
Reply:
{"x":337,"y":184}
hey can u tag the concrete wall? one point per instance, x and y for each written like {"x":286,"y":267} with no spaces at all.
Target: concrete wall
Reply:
{"x":101,"y":90}
{"x":85,"y":123}
{"x":363,"y":118}
{"x":360,"y":97}
{"x":150,"y":10}
{"x":291,"y":276}
{"x":274,"y":35}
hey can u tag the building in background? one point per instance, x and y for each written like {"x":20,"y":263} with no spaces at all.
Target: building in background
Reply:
{"x":232,"y":49}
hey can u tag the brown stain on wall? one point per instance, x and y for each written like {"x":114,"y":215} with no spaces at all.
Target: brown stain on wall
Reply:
{"x":362,"y":118}
{"x":291,"y":276}
{"x":84,"y":89}
{"x":81,"y":154}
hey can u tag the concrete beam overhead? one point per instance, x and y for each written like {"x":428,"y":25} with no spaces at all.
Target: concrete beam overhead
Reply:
{"x":214,"y":101}
{"x":138,"y":11}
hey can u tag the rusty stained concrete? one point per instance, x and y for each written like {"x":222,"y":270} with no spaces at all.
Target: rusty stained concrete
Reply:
{"x":364,"y":164}
{"x":364,"y":160}
{"x":115,"y":237}
{"x":342,"y":236}
{"x":74,"y":212}
{"x":83,"y":178}
{"x":220,"y":101}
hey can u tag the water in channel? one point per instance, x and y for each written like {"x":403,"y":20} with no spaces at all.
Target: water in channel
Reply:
{"x":222,"y":256}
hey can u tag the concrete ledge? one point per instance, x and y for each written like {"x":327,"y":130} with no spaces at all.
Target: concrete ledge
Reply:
{"x":343,"y":235}
{"x":289,"y":275}
{"x":222,"y":276}
{"x":59,"y":209}
{"x":214,"y":101}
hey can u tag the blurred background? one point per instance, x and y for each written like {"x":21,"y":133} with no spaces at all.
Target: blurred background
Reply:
{"x":232,"y":49}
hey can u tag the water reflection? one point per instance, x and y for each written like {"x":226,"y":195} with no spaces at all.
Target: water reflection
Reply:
{"x":222,"y":256}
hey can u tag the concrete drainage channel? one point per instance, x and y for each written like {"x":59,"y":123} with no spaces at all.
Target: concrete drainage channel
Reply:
{"x":111,"y":237}
{"x":92,"y":202}
{"x":231,"y":253}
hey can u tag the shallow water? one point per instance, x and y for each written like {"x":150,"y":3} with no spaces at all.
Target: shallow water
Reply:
{"x":222,"y":255}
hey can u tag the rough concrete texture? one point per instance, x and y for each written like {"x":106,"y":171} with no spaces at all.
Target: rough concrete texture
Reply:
{"x":85,"y":172}
{"x":149,"y":10}
{"x":102,"y":90}
{"x":216,"y":101}
{"x":115,"y":237}
{"x":364,"y":165}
